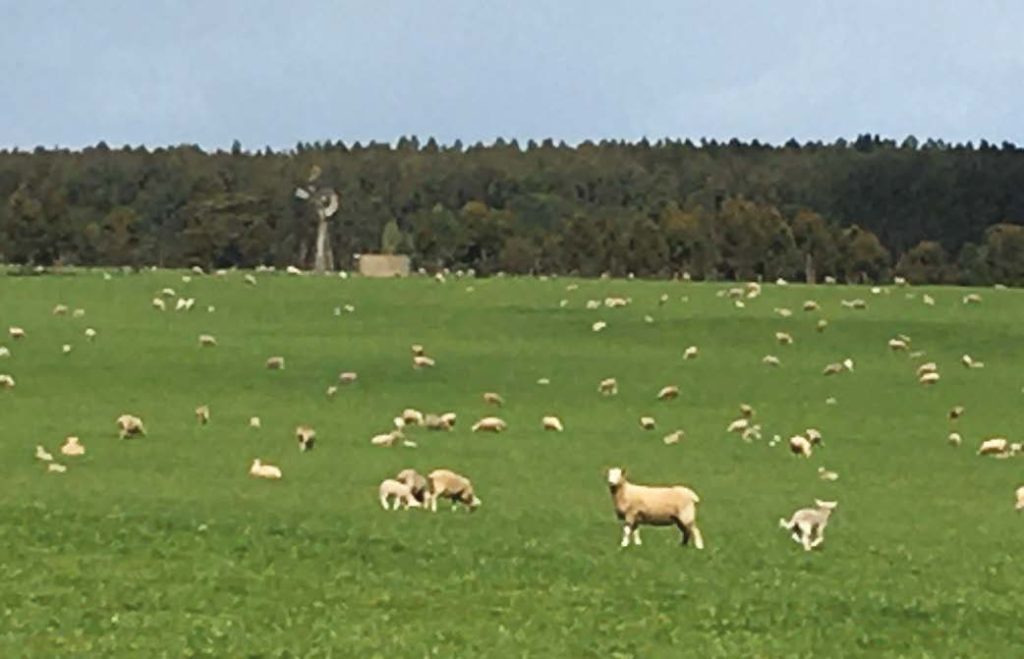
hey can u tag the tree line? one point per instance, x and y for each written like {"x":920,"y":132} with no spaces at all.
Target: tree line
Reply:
{"x":862,"y":210}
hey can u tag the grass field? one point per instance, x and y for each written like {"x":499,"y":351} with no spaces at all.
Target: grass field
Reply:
{"x":164,"y":546}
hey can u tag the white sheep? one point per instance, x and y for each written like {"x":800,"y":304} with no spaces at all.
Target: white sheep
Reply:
{"x":783,"y":312}
{"x":673,"y":437}
{"x":994,"y":446}
{"x":970,"y":362}
{"x":348,"y":377}
{"x":954,"y":438}
{"x":203,"y":414}
{"x":386,"y":439}
{"x":655,"y":506}
{"x":972,"y":298}
{"x":929,"y":378}
{"x":897,"y":345}
{"x":16,"y":333}
{"x":412,"y":416}
{"x":647,"y":422}
{"x":159,"y":304}
{"x":260,"y":470}
{"x":6,"y":381}
{"x":929,"y":367}
{"x":42,"y":454}
{"x":418,"y":350}
{"x":552,"y":423}
{"x":490,"y":424}
{"x":207,"y":340}
{"x":331,"y":391}
{"x":739,"y":425}
{"x":813,"y":435}
{"x":807,"y":525}
{"x":691,"y":353}
{"x":249,"y":279}
{"x":956,"y":412}
{"x":66,"y":349}
{"x":5,"y":351}
{"x":928,"y":300}
{"x":810,"y":305}
{"x":60,"y":310}
{"x":129,"y":425}
{"x":800,"y":445}
{"x":292,"y":270}
{"x":608,"y":387}
{"x":255,"y":422}
{"x":399,"y":492}
{"x":422,"y":361}
{"x":493,"y":398}
{"x":668,"y":392}
{"x":78,"y":313}
{"x":439,"y":421}
{"x":1020,"y":498}
{"x":784,"y":338}
{"x":90,"y":333}
{"x":599,"y":326}
{"x":72,"y":446}
{"x":56,"y":468}
{"x":821,"y":325}
{"x":306,"y":437}
{"x":771,"y":360}
{"x":450,"y":485}
{"x":275,"y":363}
{"x":826,"y":475}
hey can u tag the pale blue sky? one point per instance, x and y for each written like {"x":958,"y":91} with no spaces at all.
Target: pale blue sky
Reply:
{"x":159,"y":72}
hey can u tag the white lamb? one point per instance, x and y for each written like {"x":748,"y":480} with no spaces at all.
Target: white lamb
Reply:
{"x":493,"y":398}
{"x":994,"y":446}
{"x":490,"y":424}
{"x":691,"y":353}
{"x":207,"y":340}
{"x":654,"y":506}
{"x":260,"y":470}
{"x":398,"y":493}
{"x":608,"y":387}
{"x":669,"y":392}
{"x":16,"y":333}
{"x":784,"y":338}
{"x":422,"y":361}
{"x":129,"y":425}
{"x":552,"y":423}
{"x":771,"y":360}
{"x":807,"y":525}
{"x":72,"y":447}
{"x":800,"y":445}
{"x":203,"y":414}
{"x":647,"y":422}
{"x":42,"y":454}
{"x":929,"y":378}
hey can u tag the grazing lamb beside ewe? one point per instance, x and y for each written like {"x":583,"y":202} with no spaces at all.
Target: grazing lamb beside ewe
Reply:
{"x":129,"y":426}
{"x":450,"y":485}
{"x":655,"y":506}
{"x":399,"y":493}
{"x":807,"y":525}
{"x":260,"y":470}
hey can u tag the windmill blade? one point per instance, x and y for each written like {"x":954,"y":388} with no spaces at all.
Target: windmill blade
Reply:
{"x":302,"y":193}
{"x":332,"y":203}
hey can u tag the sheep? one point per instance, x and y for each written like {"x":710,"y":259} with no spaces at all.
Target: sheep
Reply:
{"x":399,"y":492}
{"x":249,"y":279}
{"x":203,"y":414}
{"x":929,"y":378}
{"x":207,"y":340}
{"x":66,"y":349}
{"x":970,"y":362}
{"x":16,"y":333}
{"x":994,"y":446}
{"x":348,"y":377}
{"x":5,"y":351}
{"x":848,"y":364}
{"x":490,"y":424}
{"x":493,"y":398}
{"x":691,"y":353}
{"x":821,"y":325}
{"x":800,"y":445}
{"x":448,"y":484}
{"x":810,"y":305}
{"x":129,"y":425}
{"x":1020,"y":499}
{"x":783,"y":338}
{"x":255,"y":422}
{"x":739,"y":425}
{"x":42,"y":454}
{"x":275,"y":363}
{"x":593,"y":304}
{"x":543,"y":381}
{"x":832,"y":369}
{"x":90,"y":333}
{"x":928,"y":300}
{"x":599,"y":326}
{"x":6,"y":381}
{"x":306,"y":437}
{"x":168,"y":292}
{"x":260,"y":470}
{"x":897,"y":345}
{"x":78,"y":313}
{"x":956,"y":412}
{"x":331,"y":391}
{"x":412,"y":416}
{"x":72,"y":447}
{"x":422,"y":361}
{"x":386,"y":439}
{"x":972,"y":298}
{"x":655,"y":506}
{"x":159,"y":304}
{"x":854,"y":304}
{"x":56,"y":468}
{"x":608,"y":387}
{"x":60,"y":310}
{"x":807,"y":525}
{"x":783,"y":312}
{"x":954,"y":439}
{"x":292,"y":270}
{"x":826,"y":475}
{"x":829,"y":279}
{"x":746,"y":411}
{"x":668,"y":392}
{"x":184,"y":304}
{"x":417,"y":484}
{"x":771,"y":360}
{"x":751,"y":433}
{"x":647,"y":422}
{"x":552,"y":423}
{"x":439,"y":421}
{"x":418,"y":350}
{"x":929,"y":367}
{"x":673,"y":437}
{"x":813,"y":435}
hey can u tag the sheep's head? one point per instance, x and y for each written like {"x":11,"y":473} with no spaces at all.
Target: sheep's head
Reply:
{"x":616,"y":476}
{"x":827,"y":505}
{"x":475,"y":502}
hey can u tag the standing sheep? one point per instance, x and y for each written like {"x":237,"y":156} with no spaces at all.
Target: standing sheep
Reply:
{"x":129,"y":426}
{"x":306,"y":437}
{"x":448,"y":484}
{"x":399,"y":492}
{"x":490,"y":424}
{"x":807,"y":525}
{"x":655,"y":506}
{"x":418,"y":485}
{"x":275,"y":363}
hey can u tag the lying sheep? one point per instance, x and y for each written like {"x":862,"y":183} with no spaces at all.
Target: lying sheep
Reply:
{"x":673,"y":437}
{"x":450,"y":485}
{"x":203,"y":414}
{"x":255,"y":422}
{"x":826,"y":475}
{"x":60,"y":310}
{"x":418,"y":485}
{"x":260,"y":470}
{"x":72,"y":447}
{"x":972,"y":298}
{"x":551,"y":423}
{"x":348,"y":377}
{"x":306,"y":437}
{"x":800,"y":445}
{"x":994,"y":446}
{"x":599,"y":326}
{"x":807,"y":525}
{"x":275,"y":363}
{"x":493,"y":399}
{"x":608,"y":387}
{"x":207,"y":340}
{"x":331,"y":391}
{"x":42,"y":454}
{"x":489,"y":424}
{"x":398,"y":492}
{"x":929,"y":378}
{"x":928,"y":300}
{"x":56,"y":468}
{"x":90,"y":333}
{"x":668,"y":393}
{"x":897,"y":345}
{"x":386,"y":439}
{"x":6,"y":381}
{"x":929,"y":367}
{"x":647,"y":422}
{"x":129,"y":425}
{"x":655,"y":506}
{"x":249,"y":279}
{"x":771,"y":360}
{"x":422,"y":361}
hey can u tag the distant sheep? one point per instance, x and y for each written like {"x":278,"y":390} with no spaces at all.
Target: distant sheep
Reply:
{"x":159,"y":304}
{"x":956,"y":412}
{"x":42,"y":454}
{"x":970,"y":362}
{"x":6,"y":381}
{"x":255,"y":422}
{"x":669,"y":392}
{"x":552,"y":423}
{"x":493,"y":398}
{"x":655,"y":506}
{"x":972,"y":298}
{"x":129,"y":425}
{"x":412,"y":416}
{"x":207,"y":340}
{"x":994,"y":446}
{"x":490,"y":424}
{"x":260,"y":470}
{"x":691,"y":353}
{"x":929,"y":378}
{"x":821,"y":325}
{"x":608,"y":387}
{"x":16,"y":333}
{"x":422,"y":361}
{"x":771,"y":360}
{"x":800,"y":445}
{"x":647,"y":422}
{"x":929,"y":367}
{"x":306,"y":437}
{"x":954,"y":438}
{"x":810,"y":305}
{"x":599,"y":326}
{"x":55,"y":468}
{"x":928,"y":300}
{"x":275,"y":363}
{"x":72,"y":447}
{"x":1020,"y":498}
{"x":450,"y":485}
{"x":784,"y":338}
{"x":5,"y":351}
{"x":348,"y":377}
{"x":417,"y":350}
{"x":807,"y":525}
{"x":90,"y":333}
{"x":398,"y":493}
{"x":444,"y":421}
{"x":417,"y":484}
{"x":673,"y":437}
{"x":826,"y":475}
{"x":898,"y":345}
{"x":331,"y":391}
{"x":386,"y":439}
{"x":60,"y":310}
{"x":249,"y":279}
{"x":203,"y":414}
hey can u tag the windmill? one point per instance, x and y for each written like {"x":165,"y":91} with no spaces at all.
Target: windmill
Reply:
{"x":325,"y":202}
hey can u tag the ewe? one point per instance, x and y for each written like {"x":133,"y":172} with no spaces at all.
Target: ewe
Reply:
{"x":551,"y":423}
{"x":655,"y":506}
{"x":129,"y":425}
{"x":450,"y":485}
{"x":72,"y":447}
{"x":489,"y":424}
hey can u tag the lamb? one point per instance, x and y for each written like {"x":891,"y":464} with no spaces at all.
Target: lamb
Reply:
{"x":813,"y":435}
{"x":490,"y":424}
{"x":260,"y":470}
{"x":746,"y":411}
{"x":898,"y":344}
{"x":306,"y":437}
{"x":783,"y":312}
{"x":60,"y":310}
{"x":418,"y":350}
{"x":821,"y":325}
{"x":800,"y":445}
{"x":972,"y":298}
{"x":16,"y":333}
{"x":771,"y":360}
{"x":416,"y":482}
{"x":448,"y":484}
{"x":275,"y":363}
{"x":832,"y":369}
{"x":129,"y":425}
{"x":42,"y":454}
{"x":399,"y":492}
{"x":929,"y":378}
{"x":655,"y":506}
{"x":956,"y":412}
{"x":647,"y":422}
{"x":970,"y":362}
{"x":168,"y":292}
{"x":994,"y":446}
{"x":669,"y":392}
{"x":552,"y":423}
{"x":207,"y":340}
{"x":422,"y":361}
{"x":66,"y":348}
{"x":1020,"y":499}
{"x":954,"y":438}
{"x":56,"y":468}
{"x":929,"y":367}
{"x":78,"y":313}
{"x":807,"y":525}
{"x":784,"y":338}
{"x":90,"y":333}
{"x":608,"y":387}
{"x":928,"y":300}
{"x":691,"y":353}
{"x":6,"y":381}
{"x":331,"y":391}
{"x":387,"y":439}
{"x":599,"y":326}
{"x":255,"y":422}
{"x":5,"y":351}
{"x":493,"y":398}
{"x":412,"y":416}
{"x":810,"y":305}
{"x":673,"y":437}
{"x":249,"y":279}
{"x":292,"y":270}
{"x":826,"y":475}
{"x":348,"y":377}
{"x":72,"y":447}
{"x":203,"y":414}
{"x":439,"y":421}
{"x":739,"y":425}
{"x":159,"y":305}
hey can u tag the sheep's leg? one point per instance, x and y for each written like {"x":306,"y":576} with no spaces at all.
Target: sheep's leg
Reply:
{"x":625,"y":536}
{"x":636,"y":536}
{"x":685,"y":540}
{"x":384,"y":501}
{"x":433,"y":503}
{"x":698,"y":539}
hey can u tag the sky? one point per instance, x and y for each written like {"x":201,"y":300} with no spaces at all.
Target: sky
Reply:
{"x":208,"y":72}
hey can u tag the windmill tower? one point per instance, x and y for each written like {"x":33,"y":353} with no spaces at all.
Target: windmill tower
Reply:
{"x":325,"y":202}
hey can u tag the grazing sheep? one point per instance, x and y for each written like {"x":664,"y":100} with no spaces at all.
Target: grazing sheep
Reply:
{"x":249,"y":279}
{"x":168,"y":292}
{"x":783,"y":312}
{"x":807,"y":525}
{"x":129,"y":425}
{"x":387,"y":438}
{"x":1020,"y":499}
{"x":970,"y":362}
{"x":331,"y":391}
{"x":90,"y":333}
{"x":449,"y":418}
{"x":928,"y":300}
{"x":593,"y":304}
{"x":929,"y":378}
{"x":5,"y":351}
{"x":956,"y":412}
{"x":800,"y":445}
{"x":810,"y":305}
{"x":954,"y":438}
{"x":207,"y":340}
{"x":72,"y":447}
{"x":348,"y":377}
{"x":412,"y":416}
{"x":832,"y":369}
{"x":78,"y":313}
{"x":771,"y":360}
{"x":306,"y":437}
{"x":399,"y":492}
{"x":746,"y":411}
{"x":821,"y":325}
{"x":418,"y":350}
{"x":898,"y":344}
{"x":552,"y":423}
{"x":422,"y":361}
{"x":813,"y":435}
{"x":493,"y":399}
{"x":929,"y":367}
{"x":60,"y":310}
{"x":275,"y":363}
{"x":16,"y":333}
{"x":66,"y":348}
{"x":994,"y":446}
{"x":599,"y":326}
{"x":608,"y":387}
{"x":203,"y":414}
{"x":673,"y":437}
{"x":439,"y":421}
{"x":691,"y":353}
{"x":42,"y":454}
{"x":450,"y":485}
{"x":6,"y":381}
{"x":783,"y":338}
{"x":56,"y":468}
{"x":669,"y":392}
{"x":260,"y":470}
{"x":655,"y":506}
{"x":647,"y":422}
{"x":489,"y":424}
{"x":292,"y":270}
{"x":972,"y":298}
{"x":826,"y":475}
{"x":417,"y":484}
{"x":739,"y":425}
{"x":159,"y":305}
{"x":254,"y":422}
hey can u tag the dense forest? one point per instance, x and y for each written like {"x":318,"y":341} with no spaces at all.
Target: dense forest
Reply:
{"x":859,"y":211}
